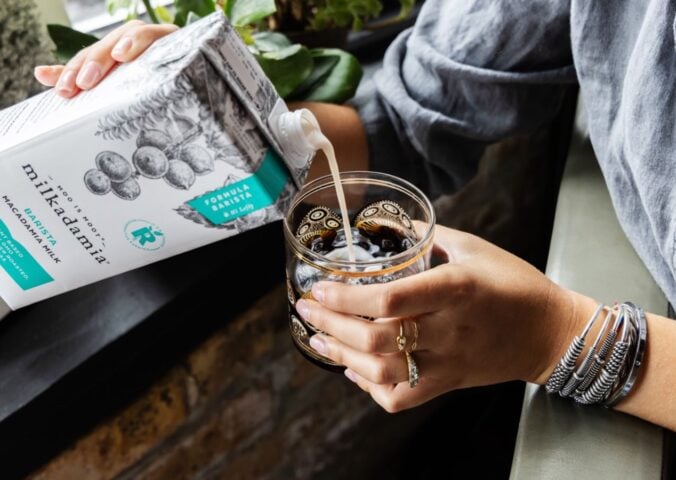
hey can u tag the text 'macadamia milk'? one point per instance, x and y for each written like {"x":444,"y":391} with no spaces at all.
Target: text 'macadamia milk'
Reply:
{"x":176,"y":150}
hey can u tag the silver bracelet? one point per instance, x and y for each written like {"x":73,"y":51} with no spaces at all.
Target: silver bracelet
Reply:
{"x":599,"y":358}
{"x":602,"y":385}
{"x":587,"y":370}
{"x":566,"y":365}
{"x":641,"y":328}
{"x":607,"y":375}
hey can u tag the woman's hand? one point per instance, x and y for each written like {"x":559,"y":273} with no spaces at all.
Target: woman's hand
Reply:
{"x":484,"y":317}
{"x":92,"y":64}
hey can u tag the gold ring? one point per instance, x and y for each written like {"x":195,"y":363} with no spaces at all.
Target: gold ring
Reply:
{"x":401,"y":339}
{"x":414,"y":344}
{"x":413,"y":370}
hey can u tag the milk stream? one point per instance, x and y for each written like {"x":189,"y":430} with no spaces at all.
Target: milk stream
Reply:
{"x":320,"y":142}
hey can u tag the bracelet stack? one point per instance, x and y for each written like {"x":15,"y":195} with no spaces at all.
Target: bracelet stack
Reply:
{"x":609,"y":368}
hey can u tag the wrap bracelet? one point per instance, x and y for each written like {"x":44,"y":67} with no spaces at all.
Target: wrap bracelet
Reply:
{"x":635,"y":360}
{"x":566,"y":365}
{"x":591,"y":363}
{"x":607,"y":373}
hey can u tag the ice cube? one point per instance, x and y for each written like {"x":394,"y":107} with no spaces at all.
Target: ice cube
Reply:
{"x":306,"y":275}
{"x":341,"y":254}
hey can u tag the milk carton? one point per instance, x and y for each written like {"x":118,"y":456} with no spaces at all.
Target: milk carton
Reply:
{"x":188,"y":145}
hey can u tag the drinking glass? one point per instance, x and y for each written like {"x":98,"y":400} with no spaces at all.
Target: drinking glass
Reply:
{"x":375,"y":200}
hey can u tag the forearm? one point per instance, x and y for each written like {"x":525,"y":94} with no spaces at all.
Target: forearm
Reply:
{"x":342,"y":126}
{"x":653,"y":397}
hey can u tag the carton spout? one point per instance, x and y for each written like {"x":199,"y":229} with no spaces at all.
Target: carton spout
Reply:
{"x":299,"y":132}
{"x":311,"y":130}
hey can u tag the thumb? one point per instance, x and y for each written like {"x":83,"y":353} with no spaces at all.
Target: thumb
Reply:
{"x":450,"y":245}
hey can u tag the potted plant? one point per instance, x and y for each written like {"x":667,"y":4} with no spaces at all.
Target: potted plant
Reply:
{"x":325,"y":23}
{"x":299,"y":71}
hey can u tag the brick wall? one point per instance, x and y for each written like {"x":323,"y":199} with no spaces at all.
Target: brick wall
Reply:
{"x":243,"y":405}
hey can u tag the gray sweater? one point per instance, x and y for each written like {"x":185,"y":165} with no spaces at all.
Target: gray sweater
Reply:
{"x":471,"y":72}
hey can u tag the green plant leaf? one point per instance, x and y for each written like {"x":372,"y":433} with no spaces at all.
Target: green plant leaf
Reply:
{"x":149,"y":9}
{"x":341,"y":83}
{"x":164,"y":14}
{"x":406,"y":8}
{"x":345,"y":13}
{"x":246,"y":12}
{"x":246,"y":34}
{"x":270,"y":41}
{"x":114,"y":5}
{"x":132,"y":11}
{"x":322,"y":68}
{"x":68,"y":41}
{"x":287,"y":70}
{"x":201,"y":8}
{"x":284,"y":52}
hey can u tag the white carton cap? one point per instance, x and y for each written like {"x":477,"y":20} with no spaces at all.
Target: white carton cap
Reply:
{"x":296,"y":132}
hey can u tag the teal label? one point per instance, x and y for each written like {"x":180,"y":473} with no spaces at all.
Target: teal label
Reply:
{"x":258,"y":191}
{"x":18,"y":263}
{"x":144,"y":235}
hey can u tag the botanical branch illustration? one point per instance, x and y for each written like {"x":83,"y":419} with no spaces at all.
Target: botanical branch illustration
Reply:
{"x":147,"y":112}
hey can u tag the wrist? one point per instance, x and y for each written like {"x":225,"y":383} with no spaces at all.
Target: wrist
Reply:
{"x":567,"y":314}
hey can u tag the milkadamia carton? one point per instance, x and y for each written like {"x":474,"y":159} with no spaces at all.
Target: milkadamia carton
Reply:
{"x":176,"y":150}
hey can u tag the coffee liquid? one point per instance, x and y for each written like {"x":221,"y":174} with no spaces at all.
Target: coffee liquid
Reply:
{"x":372,"y":242}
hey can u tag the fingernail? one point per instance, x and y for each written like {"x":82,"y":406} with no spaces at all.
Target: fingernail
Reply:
{"x":40,"y":70}
{"x":89,"y":75}
{"x":318,"y":344}
{"x":66,"y":83}
{"x":303,"y":309}
{"x":122,"y":47}
{"x":351,"y":375}
{"x":318,"y":292}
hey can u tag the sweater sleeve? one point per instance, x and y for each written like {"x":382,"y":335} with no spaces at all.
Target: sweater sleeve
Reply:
{"x":468,"y":73}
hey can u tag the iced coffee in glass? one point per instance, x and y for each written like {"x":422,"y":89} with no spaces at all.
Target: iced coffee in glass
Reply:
{"x":391,"y":222}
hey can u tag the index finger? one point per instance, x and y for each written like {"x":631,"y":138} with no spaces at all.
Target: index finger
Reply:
{"x":421,"y":293}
